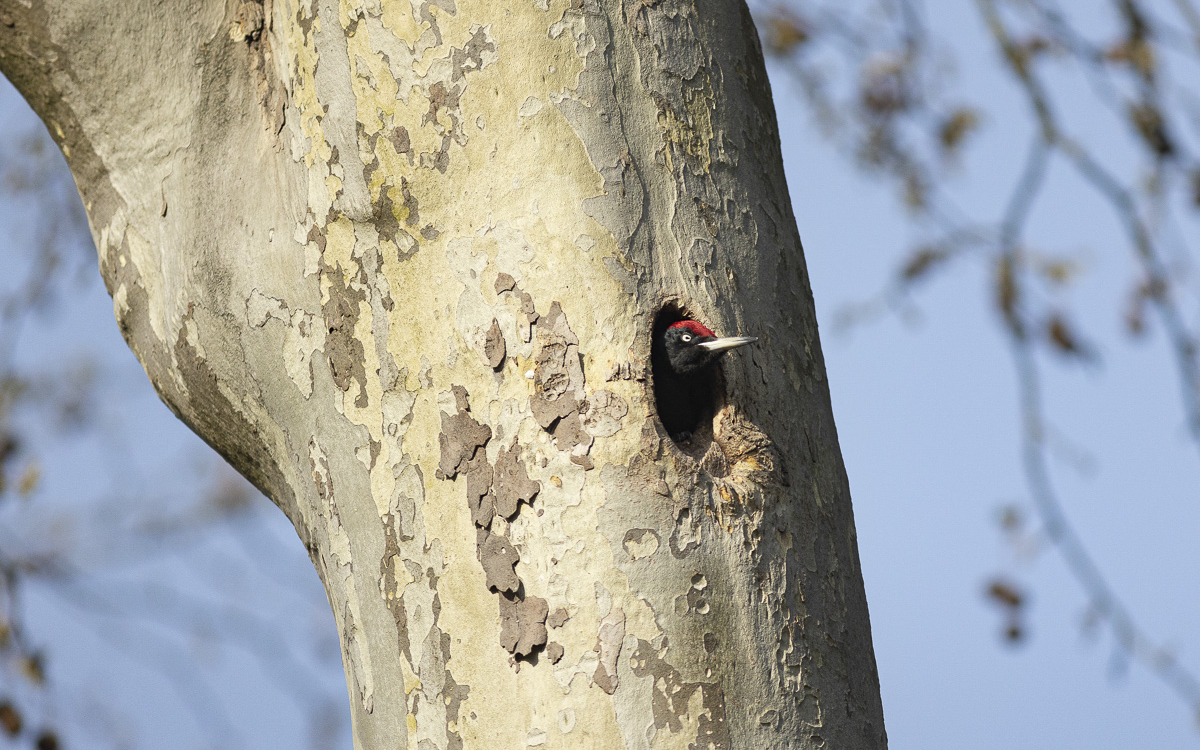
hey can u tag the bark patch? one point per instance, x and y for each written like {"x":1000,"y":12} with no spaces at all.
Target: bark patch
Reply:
{"x":557,"y":374}
{"x":558,"y":618}
{"x":686,"y":536}
{"x":558,"y":381}
{"x":492,"y":491}
{"x":602,"y":413}
{"x":504,"y":283}
{"x":608,"y":645}
{"x":460,"y":438}
{"x":640,"y":543}
{"x":479,"y":484}
{"x":493,"y":346}
{"x":522,"y":624}
{"x":569,"y":435}
{"x":344,"y":351}
{"x":672,"y":696}
{"x":498,"y":557}
{"x":512,"y":483}
{"x":401,"y":142}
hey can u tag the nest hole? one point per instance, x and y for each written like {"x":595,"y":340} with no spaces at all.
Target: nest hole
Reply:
{"x":685,"y":404}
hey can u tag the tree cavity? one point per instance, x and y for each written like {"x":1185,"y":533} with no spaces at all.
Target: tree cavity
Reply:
{"x":685,"y":404}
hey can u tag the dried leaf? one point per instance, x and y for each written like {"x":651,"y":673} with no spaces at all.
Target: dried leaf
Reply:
{"x":1062,"y":338}
{"x":8,"y":446}
{"x":1011,"y":518}
{"x":1005,"y":594}
{"x":915,"y":192}
{"x":1007,"y":293}
{"x":786,"y":32}
{"x":1059,"y":271}
{"x":1018,"y":56}
{"x":955,"y":128}
{"x":1137,"y":53}
{"x":1135,"y":313}
{"x":29,"y":479}
{"x":231,"y":496}
{"x":34,"y":668}
{"x":884,"y":89}
{"x":1036,"y":45}
{"x":1118,"y":52}
{"x":10,"y":719}
{"x":1147,"y":119}
{"x":1014,"y":632}
{"x":923,"y":260}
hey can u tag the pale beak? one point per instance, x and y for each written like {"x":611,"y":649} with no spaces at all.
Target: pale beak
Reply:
{"x":730,"y":342}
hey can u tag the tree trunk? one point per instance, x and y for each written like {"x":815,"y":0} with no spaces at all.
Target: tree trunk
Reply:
{"x":400,"y":264}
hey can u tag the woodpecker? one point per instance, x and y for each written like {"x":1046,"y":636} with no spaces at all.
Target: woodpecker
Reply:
{"x":690,"y":347}
{"x":683,"y":361}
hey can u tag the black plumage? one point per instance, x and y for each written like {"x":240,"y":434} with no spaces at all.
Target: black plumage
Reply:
{"x":683,"y":363}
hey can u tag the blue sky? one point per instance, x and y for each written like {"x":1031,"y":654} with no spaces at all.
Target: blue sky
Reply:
{"x":927,"y":417}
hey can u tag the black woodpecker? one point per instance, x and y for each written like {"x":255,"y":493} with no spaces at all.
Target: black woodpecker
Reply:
{"x":683,"y":360}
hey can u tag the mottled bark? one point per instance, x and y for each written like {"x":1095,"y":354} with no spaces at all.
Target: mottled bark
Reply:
{"x":399,"y":263}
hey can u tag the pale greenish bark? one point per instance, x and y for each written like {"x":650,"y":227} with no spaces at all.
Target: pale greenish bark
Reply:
{"x":398,"y":262}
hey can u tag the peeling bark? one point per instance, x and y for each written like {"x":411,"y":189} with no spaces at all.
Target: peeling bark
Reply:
{"x":405,"y":284}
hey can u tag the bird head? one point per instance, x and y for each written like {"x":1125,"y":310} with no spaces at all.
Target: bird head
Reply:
{"x":690,"y":347}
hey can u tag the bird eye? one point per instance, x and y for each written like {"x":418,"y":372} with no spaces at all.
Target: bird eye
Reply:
{"x":686,"y":337}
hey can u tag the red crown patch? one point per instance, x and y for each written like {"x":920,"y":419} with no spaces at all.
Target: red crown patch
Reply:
{"x":695,"y":328}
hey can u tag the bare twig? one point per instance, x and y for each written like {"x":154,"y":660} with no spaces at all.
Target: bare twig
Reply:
{"x":1102,"y":600}
{"x":1129,"y":78}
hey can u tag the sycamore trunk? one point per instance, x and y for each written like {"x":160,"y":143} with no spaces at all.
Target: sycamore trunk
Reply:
{"x":400,"y":262}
